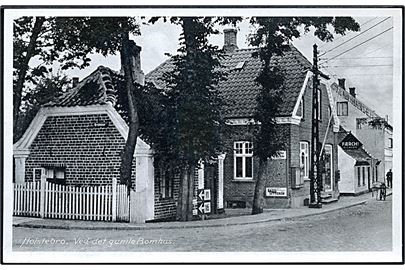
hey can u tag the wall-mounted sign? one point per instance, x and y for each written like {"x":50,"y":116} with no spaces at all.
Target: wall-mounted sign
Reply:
{"x":276,"y":192}
{"x":280,"y":155}
{"x":350,"y":142}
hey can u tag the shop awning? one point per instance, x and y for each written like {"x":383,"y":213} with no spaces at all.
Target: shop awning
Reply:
{"x":362,"y":163}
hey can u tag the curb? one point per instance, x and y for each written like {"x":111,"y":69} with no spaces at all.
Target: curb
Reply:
{"x":278,"y":219}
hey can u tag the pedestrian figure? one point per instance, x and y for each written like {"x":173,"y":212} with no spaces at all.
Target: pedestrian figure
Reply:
{"x":389,"y":178}
{"x":383,"y":191}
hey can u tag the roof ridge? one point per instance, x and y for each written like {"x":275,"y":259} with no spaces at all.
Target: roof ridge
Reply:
{"x":356,"y":102}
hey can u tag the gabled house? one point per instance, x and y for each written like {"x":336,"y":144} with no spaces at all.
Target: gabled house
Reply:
{"x":78,"y":139}
{"x":372,"y":130}
{"x":287,"y":176}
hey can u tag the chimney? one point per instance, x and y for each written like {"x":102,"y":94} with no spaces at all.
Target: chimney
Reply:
{"x":342,"y":83}
{"x":135,"y":54}
{"x":75,"y":81}
{"x":230,"y":44}
{"x":352,"y":91}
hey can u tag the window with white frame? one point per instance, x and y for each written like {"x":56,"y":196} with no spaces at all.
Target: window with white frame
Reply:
{"x":243,"y":160}
{"x":55,"y":175}
{"x":304,"y":159}
{"x":342,"y":108}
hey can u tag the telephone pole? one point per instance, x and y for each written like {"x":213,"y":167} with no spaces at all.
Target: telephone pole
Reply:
{"x":315,"y":173}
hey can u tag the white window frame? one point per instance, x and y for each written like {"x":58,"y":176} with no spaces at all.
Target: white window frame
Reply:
{"x":339,"y":109}
{"x":306,"y":157}
{"x":243,"y":155}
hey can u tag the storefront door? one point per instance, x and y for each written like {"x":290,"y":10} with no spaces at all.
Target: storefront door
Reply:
{"x":327,"y":175}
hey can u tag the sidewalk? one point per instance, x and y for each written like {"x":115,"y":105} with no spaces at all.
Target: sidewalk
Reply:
{"x":269,"y":215}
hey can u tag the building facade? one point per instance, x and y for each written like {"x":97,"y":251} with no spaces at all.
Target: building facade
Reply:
{"x":287,"y":176}
{"x":375,"y":134}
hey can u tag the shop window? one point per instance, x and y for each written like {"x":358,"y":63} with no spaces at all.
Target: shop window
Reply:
{"x":376,"y":173}
{"x":166,"y":183}
{"x":342,"y":108}
{"x":358,"y":176}
{"x":368,"y":174}
{"x":243,"y":160}
{"x":364,"y":175}
{"x":304,"y":159}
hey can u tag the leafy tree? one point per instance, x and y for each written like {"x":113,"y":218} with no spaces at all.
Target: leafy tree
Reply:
{"x":69,"y":41}
{"x":47,"y":88}
{"x":273,"y":36}
{"x":190,"y":131}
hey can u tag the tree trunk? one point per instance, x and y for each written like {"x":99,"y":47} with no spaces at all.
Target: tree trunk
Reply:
{"x":258,"y":199}
{"x":19,"y":85}
{"x":129,"y":149}
{"x":183,"y":195}
{"x":191,"y":172}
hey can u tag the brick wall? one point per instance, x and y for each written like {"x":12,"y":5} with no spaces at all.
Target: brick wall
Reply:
{"x":278,"y":172}
{"x":89,"y":146}
{"x":303,"y":133}
{"x":166,"y":208}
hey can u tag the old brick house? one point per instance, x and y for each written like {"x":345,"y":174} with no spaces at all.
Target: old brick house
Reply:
{"x":287,"y":175}
{"x":78,"y":138}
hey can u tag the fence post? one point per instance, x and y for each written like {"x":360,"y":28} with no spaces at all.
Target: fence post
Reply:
{"x":42,"y":205}
{"x":114,"y":199}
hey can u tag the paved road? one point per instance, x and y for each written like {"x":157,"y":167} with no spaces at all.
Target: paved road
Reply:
{"x":361,"y":228}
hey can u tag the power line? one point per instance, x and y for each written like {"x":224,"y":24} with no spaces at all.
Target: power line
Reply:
{"x":382,"y":47}
{"x":361,"y":66}
{"x":365,"y":31}
{"x":339,"y":38}
{"x":379,"y":34}
{"x":370,"y":57}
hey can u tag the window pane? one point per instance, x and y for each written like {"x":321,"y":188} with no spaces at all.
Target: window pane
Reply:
{"x":248,"y":148}
{"x":59,"y":174}
{"x":364,"y":176}
{"x":249,"y":167}
{"x":358,"y":176}
{"x":239,"y":167}
{"x":238,"y":148}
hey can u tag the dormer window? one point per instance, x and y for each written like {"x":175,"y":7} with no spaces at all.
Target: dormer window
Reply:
{"x":239,"y":65}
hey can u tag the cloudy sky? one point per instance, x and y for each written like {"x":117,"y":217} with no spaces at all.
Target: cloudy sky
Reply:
{"x":364,"y":58}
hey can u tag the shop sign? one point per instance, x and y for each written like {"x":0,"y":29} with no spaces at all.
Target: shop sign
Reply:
{"x":350,"y":143}
{"x":276,"y":192}
{"x":280,"y":155}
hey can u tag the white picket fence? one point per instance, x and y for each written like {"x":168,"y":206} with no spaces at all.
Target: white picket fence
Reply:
{"x":49,"y":200}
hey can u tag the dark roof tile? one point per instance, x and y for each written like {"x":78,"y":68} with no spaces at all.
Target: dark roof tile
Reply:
{"x":239,"y":89}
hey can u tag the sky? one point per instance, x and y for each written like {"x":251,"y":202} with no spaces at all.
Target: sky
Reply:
{"x":363,"y":58}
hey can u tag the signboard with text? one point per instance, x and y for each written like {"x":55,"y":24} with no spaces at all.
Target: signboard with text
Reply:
{"x":350,"y":142}
{"x":276,"y":192}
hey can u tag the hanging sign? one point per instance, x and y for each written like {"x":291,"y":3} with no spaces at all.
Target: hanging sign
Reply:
{"x":350,"y":142}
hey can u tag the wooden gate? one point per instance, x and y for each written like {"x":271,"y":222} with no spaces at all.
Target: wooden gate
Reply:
{"x":49,"y":200}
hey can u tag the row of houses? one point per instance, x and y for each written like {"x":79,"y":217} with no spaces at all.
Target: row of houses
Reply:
{"x":77,"y":139}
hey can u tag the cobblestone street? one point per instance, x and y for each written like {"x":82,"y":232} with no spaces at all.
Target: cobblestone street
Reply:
{"x":360,"y":228}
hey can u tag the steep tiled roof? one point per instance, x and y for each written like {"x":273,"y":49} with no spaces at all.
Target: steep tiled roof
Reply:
{"x":239,"y":90}
{"x":97,"y":88}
